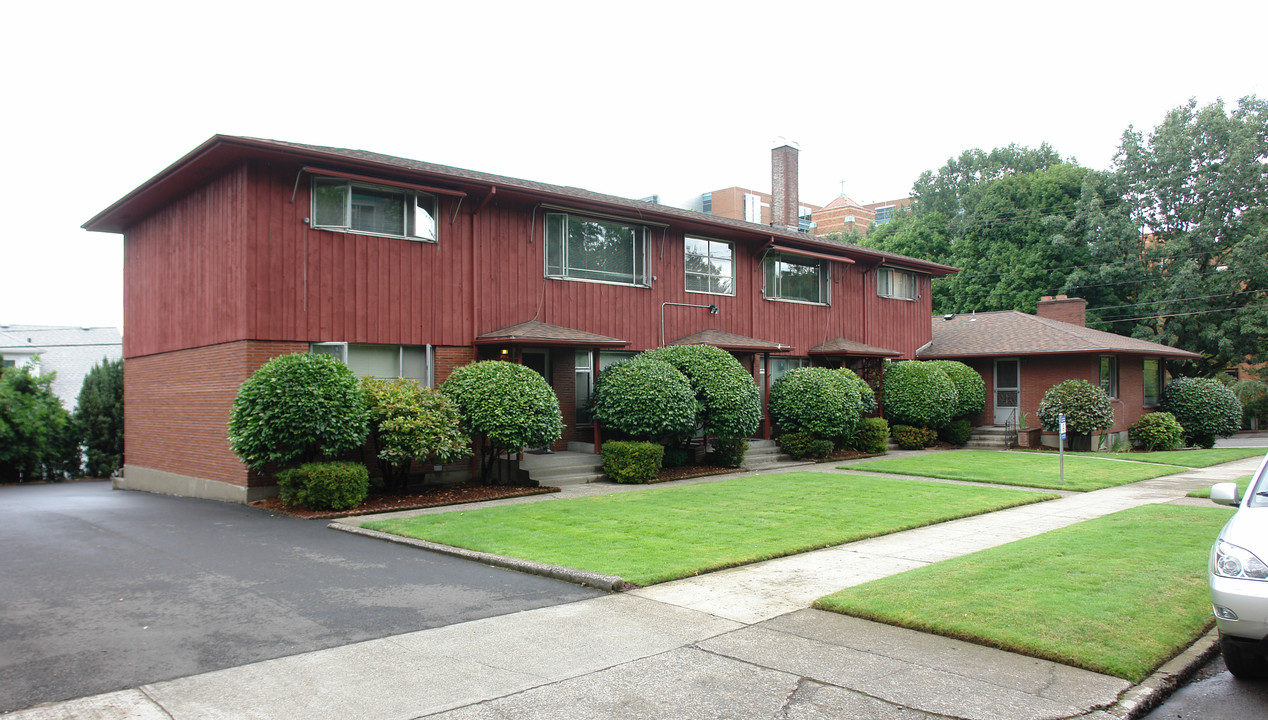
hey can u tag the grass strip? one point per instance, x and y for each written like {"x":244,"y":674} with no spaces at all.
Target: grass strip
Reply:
{"x":1183,"y":458}
{"x":1028,"y":469}
{"x":1104,"y":595}
{"x":661,"y":534}
{"x":1242,"y":483}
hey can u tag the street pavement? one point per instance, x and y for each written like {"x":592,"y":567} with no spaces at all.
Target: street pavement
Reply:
{"x":740,"y":643}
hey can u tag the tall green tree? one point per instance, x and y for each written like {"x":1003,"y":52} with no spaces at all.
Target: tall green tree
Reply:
{"x":37,"y":440}
{"x":99,"y":418}
{"x":1198,"y":187}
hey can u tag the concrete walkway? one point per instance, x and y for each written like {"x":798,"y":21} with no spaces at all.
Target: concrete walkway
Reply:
{"x":738,"y":643}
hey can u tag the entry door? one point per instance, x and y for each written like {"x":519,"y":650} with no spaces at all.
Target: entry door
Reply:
{"x":1007,"y":390}
{"x":538,"y":360}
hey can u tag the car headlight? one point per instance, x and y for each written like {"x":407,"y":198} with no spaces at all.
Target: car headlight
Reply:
{"x":1235,"y":562}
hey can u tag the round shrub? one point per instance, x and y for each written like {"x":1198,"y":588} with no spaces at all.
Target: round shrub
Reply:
{"x":819,"y":401}
{"x":805,"y":445}
{"x":1086,"y":406}
{"x":646,"y":399}
{"x":1156,"y":431}
{"x":970,"y":389}
{"x":1204,"y":407}
{"x":324,"y":485}
{"x":727,"y":452}
{"x":958,"y":431}
{"x":298,"y":408}
{"x":730,"y":405}
{"x":510,"y":404}
{"x":914,"y":438}
{"x":867,"y":396}
{"x":1253,"y":395}
{"x":410,"y":423}
{"x":871,"y":436}
{"x":632,"y":461}
{"x":918,"y":393}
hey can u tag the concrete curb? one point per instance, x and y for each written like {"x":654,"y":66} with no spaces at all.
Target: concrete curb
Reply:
{"x":611,"y":583}
{"x":1153,"y":690}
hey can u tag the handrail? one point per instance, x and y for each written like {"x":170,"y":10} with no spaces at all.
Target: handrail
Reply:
{"x":1011,"y":439}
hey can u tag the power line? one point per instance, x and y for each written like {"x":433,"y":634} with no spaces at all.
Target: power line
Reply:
{"x":1174,"y":315}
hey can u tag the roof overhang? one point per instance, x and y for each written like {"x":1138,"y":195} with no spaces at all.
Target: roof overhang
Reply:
{"x":841,"y":346}
{"x":731,"y":342}
{"x":538,"y":334}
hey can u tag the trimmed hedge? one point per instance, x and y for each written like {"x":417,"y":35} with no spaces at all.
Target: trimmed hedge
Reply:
{"x":871,"y":436}
{"x":970,"y":389}
{"x":1086,"y":406}
{"x":958,"y":431}
{"x":411,"y":423}
{"x":1204,"y":407}
{"x":632,"y":461}
{"x":914,"y":438}
{"x":805,"y":445}
{"x":867,"y":396}
{"x":730,"y":405}
{"x":645,"y":398}
{"x":919,"y":394}
{"x":324,"y":485}
{"x":1156,"y":431}
{"x":819,"y":401}
{"x":727,"y":452}
{"x":298,"y":407}
{"x":510,"y":404}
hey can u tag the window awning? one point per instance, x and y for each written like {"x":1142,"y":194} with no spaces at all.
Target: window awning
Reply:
{"x":535,"y":332}
{"x":379,"y":181}
{"x":841,"y":346}
{"x":809,"y":253}
{"x":731,"y":342}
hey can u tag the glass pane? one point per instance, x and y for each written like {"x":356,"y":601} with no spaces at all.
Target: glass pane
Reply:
{"x":1151,"y":376}
{"x":555,"y":244}
{"x":798,"y":282}
{"x":696,"y":246}
{"x":720,"y":250}
{"x":424,"y":219}
{"x":378,"y":211}
{"x":601,"y":250}
{"x":380,"y":361}
{"x":698,"y":283}
{"x":330,"y":203}
{"x":608,"y":358}
{"x":582,"y":393}
{"x":1006,"y":374}
{"x":335,"y":350}
{"x":414,"y":363}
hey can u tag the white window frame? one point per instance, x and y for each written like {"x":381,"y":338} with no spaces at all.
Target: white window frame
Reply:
{"x":730,"y":259}
{"x":339,"y":350}
{"x":419,"y":208}
{"x":824,"y":275}
{"x":886,"y":287}
{"x":557,"y":264}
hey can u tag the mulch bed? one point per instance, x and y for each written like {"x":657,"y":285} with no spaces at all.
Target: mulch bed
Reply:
{"x":454,"y":494}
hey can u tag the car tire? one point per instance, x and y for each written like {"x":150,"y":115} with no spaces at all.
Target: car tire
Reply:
{"x":1240,"y":660}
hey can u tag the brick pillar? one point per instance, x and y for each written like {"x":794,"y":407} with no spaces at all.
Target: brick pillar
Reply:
{"x":784,"y":190}
{"x":1063,"y":309}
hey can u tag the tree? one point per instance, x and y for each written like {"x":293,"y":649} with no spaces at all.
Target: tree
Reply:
{"x":37,"y":438}
{"x":99,"y":418}
{"x":410,"y":423}
{"x":1197,"y":186}
{"x":730,"y":404}
{"x":645,"y":399}
{"x":297,"y":408}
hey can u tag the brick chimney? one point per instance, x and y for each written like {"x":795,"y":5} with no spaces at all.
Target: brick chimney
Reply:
{"x":1063,"y":309}
{"x":783,"y":183}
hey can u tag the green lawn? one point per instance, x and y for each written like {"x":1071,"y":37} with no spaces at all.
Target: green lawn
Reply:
{"x":661,"y":534}
{"x":1242,"y":483}
{"x":1185,"y":458}
{"x":1104,"y":594}
{"x":1029,"y":469}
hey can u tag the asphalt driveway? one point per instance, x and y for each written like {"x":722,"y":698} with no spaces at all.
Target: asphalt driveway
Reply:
{"x":103,"y":589}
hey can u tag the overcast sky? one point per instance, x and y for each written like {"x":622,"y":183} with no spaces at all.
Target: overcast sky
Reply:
{"x":631,"y":99}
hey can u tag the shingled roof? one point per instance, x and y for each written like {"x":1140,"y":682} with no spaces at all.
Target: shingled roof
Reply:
{"x":1009,"y":332}
{"x":535,"y":332}
{"x":731,"y":341}
{"x":841,"y":346}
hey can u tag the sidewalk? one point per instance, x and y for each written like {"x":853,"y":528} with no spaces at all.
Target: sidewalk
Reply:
{"x":738,"y":643}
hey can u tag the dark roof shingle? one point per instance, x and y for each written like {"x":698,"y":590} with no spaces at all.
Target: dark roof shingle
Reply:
{"x":1009,"y":332}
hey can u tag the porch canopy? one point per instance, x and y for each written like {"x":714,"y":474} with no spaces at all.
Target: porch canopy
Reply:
{"x":537,"y":333}
{"x":841,"y":346}
{"x":731,"y":342}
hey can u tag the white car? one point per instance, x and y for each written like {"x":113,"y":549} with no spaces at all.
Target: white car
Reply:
{"x":1239,"y":577}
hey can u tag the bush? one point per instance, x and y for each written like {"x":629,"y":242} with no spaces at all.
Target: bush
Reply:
{"x":914,"y":438}
{"x":957,"y":432}
{"x":918,"y":393}
{"x":970,"y":389}
{"x":730,"y":405}
{"x":871,"y":436}
{"x":1204,"y":407}
{"x":805,"y":445}
{"x":1253,"y":395}
{"x":509,"y":404}
{"x":728,"y":452}
{"x":867,"y":396}
{"x":675,"y":457}
{"x":298,"y":407}
{"x":1156,"y":431}
{"x":324,"y":485}
{"x":645,"y":399}
{"x":1086,"y":406}
{"x":99,"y":418}
{"x":632,"y":461}
{"x":819,"y":401}
{"x":410,"y":423}
{"x":37,"y":438}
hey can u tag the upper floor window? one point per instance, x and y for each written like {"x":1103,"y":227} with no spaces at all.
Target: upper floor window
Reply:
{"x":793,"y":277}
{"x":349,"y":206}
{"x":1152,"y":377}
{"x":1109,"y":375}
{"x":381,"y":361}
{"x":884,"y":214}
{"x":898,"y":284}
{"x":582,"y":248}
{"x":752,"y":208}
{"x":709,"y":266}
{"x":706,"y":203}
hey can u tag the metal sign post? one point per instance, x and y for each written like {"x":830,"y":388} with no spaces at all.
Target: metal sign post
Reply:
{"x":1061,"y":447}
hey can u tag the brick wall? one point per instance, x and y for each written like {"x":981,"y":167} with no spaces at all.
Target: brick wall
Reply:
{"x":176,"y":408}
{"x":1063,"y":309}
{"x":447,"y":358}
